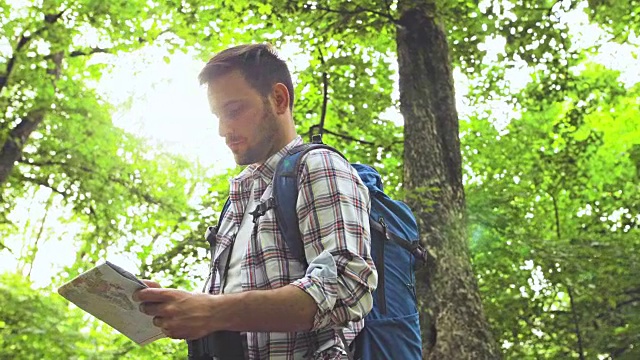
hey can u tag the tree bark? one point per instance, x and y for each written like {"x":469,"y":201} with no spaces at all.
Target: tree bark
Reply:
{"x":453,"y":322}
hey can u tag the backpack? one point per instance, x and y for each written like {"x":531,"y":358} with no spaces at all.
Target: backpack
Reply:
{"x":392,"y":328}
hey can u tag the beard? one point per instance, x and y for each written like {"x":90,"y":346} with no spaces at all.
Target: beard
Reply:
{"x":265,"y":132}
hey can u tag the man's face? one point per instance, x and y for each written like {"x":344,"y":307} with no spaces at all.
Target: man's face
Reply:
{"x":247,"y":121}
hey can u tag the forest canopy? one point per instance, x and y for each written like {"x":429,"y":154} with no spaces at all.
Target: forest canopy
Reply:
{"x":548,"y":102}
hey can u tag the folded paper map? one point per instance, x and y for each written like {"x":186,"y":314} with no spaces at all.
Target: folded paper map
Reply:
{"x":105,"y":292}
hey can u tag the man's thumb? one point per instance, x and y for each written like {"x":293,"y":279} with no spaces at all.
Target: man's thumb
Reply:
{"x":151,"y":284}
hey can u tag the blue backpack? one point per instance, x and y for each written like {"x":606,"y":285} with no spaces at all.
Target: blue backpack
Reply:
{"x":392,"y":328}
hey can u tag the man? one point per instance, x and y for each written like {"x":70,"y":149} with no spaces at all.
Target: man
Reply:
{"x":285,"y":310}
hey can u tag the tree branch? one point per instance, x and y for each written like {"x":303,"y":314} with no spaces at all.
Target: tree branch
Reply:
{"x":52,"y":18}
{"x":5,"y":247}
{"x":631,"y":301}
{"x":358,"y":10}
{"x":576,"y":323}
{"x":557,"y":216}
{"x":632,"y":291}
{"x":44,"y":184}
{"x":342,"y":136}
{"x":24,"y":41}
{"x":34,"y":250}
{"x":98,"y":50}
{"x":317,"y":19}
{"x":123,"y":351}
{"x":351,"y":138}
{"x":90,"y":51}
{"x":146,"y":197}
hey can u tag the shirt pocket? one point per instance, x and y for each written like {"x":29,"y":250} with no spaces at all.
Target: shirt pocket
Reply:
{"x":269,"y":260}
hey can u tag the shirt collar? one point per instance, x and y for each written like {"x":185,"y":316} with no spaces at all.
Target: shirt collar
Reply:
{"x":267,"y":169}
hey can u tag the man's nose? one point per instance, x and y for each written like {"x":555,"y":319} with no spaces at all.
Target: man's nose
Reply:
{"x":224,"y":128}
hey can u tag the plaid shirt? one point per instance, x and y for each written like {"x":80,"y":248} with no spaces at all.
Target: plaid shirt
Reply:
{"x":333,"y":212}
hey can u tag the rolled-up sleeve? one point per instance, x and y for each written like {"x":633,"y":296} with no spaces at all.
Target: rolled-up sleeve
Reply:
{"x":333,"y":211}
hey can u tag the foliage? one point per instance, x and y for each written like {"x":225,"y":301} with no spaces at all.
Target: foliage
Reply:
{"x":37,"y":324}
{"x":552,"y":193}
{"x":555,"y":230}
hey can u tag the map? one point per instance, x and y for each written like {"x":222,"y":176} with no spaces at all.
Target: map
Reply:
{"x":105,"y":292}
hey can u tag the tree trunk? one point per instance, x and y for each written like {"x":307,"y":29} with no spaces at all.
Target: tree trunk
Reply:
{"x":454,"y":326}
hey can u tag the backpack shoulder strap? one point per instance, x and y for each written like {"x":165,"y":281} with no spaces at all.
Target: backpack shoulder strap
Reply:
{"x":211,"y":232}
{"x":225,"y":208}
{"x":285,"y":194}
{"x":210,"y":236}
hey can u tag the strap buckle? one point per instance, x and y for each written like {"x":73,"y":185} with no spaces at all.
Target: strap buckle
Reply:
{"x":210,"y":235}
{"x":262,"y":208}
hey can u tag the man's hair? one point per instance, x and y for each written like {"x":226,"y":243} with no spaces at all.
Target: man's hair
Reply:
{"x":258,"y":63}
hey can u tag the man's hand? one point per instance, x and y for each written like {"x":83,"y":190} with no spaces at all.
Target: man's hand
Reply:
{"x":180,"y":314}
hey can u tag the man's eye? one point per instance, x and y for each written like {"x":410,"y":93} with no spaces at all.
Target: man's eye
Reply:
{"x":234,"y":112}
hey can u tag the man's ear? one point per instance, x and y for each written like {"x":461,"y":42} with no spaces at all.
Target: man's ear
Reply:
{"x":280,"y":96}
